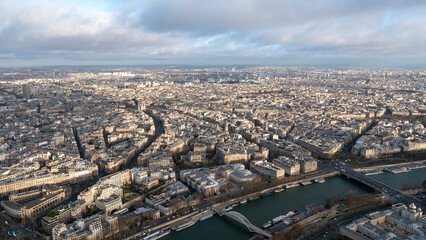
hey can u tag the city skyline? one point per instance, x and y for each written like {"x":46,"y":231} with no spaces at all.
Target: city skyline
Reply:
{"x":270,"y":120}
{"x":333,"y":33}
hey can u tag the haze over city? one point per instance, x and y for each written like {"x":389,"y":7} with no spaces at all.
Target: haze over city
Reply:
{"x":212,"y":119}
{"x":274,"y":32}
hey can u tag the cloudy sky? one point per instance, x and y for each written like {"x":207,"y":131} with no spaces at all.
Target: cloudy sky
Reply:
{"x":284,"y":32}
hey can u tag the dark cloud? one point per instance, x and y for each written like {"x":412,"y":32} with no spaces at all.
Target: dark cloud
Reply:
{"x":218,"y":16}
{"x":213,"y":31}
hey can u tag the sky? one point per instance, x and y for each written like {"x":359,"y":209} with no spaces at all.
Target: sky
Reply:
{"x":371,"y":33}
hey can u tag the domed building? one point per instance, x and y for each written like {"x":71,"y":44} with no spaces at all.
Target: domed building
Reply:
{"x":412,"y":213}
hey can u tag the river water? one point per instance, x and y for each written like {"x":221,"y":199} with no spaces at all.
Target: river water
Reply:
{"x":263,"y":209}
{"x":415,"y":178}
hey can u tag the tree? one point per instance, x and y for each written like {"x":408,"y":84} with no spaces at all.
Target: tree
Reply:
{"x":352,"y":193}
{"x":280,"y":236}
{"x":297,"y":230}
{"x":330,"y":202}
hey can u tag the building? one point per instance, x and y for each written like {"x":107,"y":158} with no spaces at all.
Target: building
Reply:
{"x":412,"y":213}
{"x":399,"y":222}
{"x":26,"y":91}
{"x":291,"y":166}
{"x":177,"y":188}
{"x":74,"y":170}
{"x":236,"y":173}
{"x":232,"y":152}
{"x":95,"y":227}
{"x":196,"y":157}
{"x":110,"y":204}
{"x":52,"y":196}
{"x":200,"y":179}
{"x":141,"y":106}
{"x":266,"y":168}
{"x":164,"y":162}
{"x":59,"y":215}
{"x":149,"y":182}
{"x":26,"y":196}
{"x":307,"y":164}
{"x":110,"y":164}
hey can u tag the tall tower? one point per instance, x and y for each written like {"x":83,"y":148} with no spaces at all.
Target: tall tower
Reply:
{"x":141,"y":106}
{"x":26,"y":91}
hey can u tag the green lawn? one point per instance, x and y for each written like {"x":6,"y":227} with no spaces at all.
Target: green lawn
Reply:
{"x":130,"y":197}
{"x":353,"y":163}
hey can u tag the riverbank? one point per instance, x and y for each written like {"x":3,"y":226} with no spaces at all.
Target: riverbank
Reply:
{"x":317,"y":224}
{"x":383,"y":166}
{"x":173,"y":223}
{"x":405,"y":180}
{"x":268,"y":207}
{"x":334,"y":225}
{"x":277,"y":187}
{"x":195,"y":216}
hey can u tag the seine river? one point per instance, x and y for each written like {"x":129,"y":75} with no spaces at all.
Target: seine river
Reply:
{"x":415,"y":177}
{"x":264,"y":209}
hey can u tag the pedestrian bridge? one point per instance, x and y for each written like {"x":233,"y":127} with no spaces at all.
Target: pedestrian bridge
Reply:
{"x":243,"y":220}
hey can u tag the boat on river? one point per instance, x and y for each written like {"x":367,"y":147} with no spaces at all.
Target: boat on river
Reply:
{"x":304,"y":183}
{"x":229,"y":208}
{"x":266,"y":194}
{"x":157,"y":235}
{"x":253,"y":198}
{"x":319,"y":180}
{"x":267,"y":224}
{"x":282,"y":217}
{"x":206,"y":217}
{"x":291,"y":185}
{"x":185,"y":225}
{"x":399,"y":170}
{"x":373,"y":173}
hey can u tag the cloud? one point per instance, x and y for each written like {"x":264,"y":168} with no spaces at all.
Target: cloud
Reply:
{"x":211,"y":31}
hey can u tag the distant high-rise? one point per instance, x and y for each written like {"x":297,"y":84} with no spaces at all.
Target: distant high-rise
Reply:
{"x":26,"y":91}
{"x":141,"y":106}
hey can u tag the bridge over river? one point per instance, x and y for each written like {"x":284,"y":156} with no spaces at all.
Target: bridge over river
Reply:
{"x":394,"y":193}
{"x":243,"y":220}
